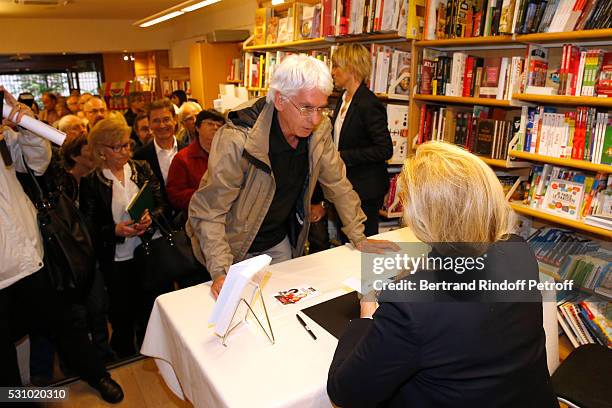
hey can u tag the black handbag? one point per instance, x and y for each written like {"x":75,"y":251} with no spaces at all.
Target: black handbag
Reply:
{"x":166,"y":259}
{"x":69,"y":253}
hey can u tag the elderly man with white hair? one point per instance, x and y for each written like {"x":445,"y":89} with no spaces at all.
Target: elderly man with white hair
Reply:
{"x":187,"y":117}
{"x":262,"y":170}
{"x":72,"y":126}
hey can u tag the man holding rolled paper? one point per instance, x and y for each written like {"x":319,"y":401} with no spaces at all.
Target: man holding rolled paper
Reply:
{"x":28,"y":302}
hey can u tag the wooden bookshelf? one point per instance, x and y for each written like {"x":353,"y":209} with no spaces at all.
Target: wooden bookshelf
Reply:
{"x":564,"y":100}
{"x":323,"y":42}
{"x":566,"y":37}
{"x":553,"y":272}
{"x":392,"y":98}
{"x":310,"y":43}
{"x":369,"y":38}
{"x":500,"y":40}
{"x":576,"y":224}
{"x":470,"y":41}
{"x":505,"y":164}
{"x":462,"y":100}
{"x":234,"y":81}
{"x":577,"y":164}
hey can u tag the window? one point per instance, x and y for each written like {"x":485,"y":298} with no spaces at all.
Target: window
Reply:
{"x":57,"y":82}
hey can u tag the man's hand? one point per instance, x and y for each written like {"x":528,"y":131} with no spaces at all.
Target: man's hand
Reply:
{"x":368,"y":305}
{"x":217,"y":285}
{"x":317,"y":212}
{"x":376,"y":246}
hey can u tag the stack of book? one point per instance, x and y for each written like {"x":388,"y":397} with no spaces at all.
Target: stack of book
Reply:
{"x":569,"y":193}
{"x":585,"y":319}
{"x":591,"y":271}
{"x":259,"y":66}
{"x":583,"y":134}
{"x":481,"y":130}
{"x":390,"y":71}
{"x":469,"y":76}
{"x":475,"y":18}
{"x":553,"y":246}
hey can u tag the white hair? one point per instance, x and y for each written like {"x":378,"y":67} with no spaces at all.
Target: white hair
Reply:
{"x":185,"y":106}
{"x":67,"y":121}
{"x":298,"y":72}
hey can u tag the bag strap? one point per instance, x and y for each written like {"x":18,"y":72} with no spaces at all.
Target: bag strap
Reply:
{"x":42,"y":201}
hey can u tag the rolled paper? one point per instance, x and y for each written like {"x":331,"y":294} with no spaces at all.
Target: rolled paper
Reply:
{"x":36,"y":126}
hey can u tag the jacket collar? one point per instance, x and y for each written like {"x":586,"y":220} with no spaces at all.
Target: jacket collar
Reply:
{"x":257,"y":143}
{"x":109,"y":183}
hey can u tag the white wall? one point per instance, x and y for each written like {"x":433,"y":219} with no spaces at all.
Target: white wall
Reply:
{"x":191,"y":27}
{"x":80,"y":36}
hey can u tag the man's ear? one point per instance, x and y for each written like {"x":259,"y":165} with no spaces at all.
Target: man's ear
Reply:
{"x":279,"y":102}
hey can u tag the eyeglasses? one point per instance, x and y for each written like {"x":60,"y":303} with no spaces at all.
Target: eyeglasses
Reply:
{"x":310,"y":110}
{"x":119,"y":148}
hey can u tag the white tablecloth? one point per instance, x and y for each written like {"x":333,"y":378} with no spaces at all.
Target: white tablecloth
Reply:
{"x":250,"y":371}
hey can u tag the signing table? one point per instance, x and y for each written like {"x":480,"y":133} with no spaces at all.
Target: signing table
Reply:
{"x":250,"y":371}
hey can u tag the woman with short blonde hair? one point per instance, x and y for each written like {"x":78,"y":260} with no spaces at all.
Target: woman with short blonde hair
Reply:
{"x":361,"y":132}
{"x":444,"y":346}
{"x":450,"y":195}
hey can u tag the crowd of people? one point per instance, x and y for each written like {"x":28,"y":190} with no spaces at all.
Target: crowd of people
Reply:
{"x":259,"y":179}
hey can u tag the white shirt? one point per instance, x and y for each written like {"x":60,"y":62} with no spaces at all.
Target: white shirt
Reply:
{"x":164,"y":157}
{"x":21,"y":249}
{"x":340,"y":119}
{"x":122,"y":196}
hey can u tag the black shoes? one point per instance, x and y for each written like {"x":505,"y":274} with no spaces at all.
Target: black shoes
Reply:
{"x":108,"y":388}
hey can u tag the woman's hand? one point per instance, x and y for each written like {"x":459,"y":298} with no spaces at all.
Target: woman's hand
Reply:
{"x":144,"y":223}
{"x":125,"y":229}
{"x":368,"y":304}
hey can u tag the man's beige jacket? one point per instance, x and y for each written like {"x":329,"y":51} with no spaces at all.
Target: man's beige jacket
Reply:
{"x":234,"y":196}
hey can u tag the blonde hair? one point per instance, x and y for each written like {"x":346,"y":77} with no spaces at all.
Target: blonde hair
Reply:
{"x":354,"y":58}
{"x":450,"y":195}
{"x":108,"y":131}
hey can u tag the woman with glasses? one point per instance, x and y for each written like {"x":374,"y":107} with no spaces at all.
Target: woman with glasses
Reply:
{"x":360,"y":131}
{"x":104,"y":197}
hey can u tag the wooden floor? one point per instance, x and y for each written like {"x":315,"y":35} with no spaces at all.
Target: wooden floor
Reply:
{"x":142,"y":385}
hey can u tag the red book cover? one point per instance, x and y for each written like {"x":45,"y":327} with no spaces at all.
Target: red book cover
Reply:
{"x":574,"y":64}
{"x":603,"y":85}
{"x":422,"y":124}
{"x":490,"y":77}
{"x":328,"y":18}
{"x":344,"y":17}
{"x":468,"y":75}
{"x":426,"y":77}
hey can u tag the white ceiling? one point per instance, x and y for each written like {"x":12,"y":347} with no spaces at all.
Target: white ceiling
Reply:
{"x":88,"y":9}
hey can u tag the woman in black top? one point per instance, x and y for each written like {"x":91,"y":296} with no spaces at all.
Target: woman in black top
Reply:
{"x":445,"y":347}
{"x":361,"y":131}
{"x":104,"y":197}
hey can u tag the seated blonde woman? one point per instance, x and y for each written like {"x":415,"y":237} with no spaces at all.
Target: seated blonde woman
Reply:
{"x":444,"y":351}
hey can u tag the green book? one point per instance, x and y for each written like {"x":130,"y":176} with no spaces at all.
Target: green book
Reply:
{"x":142,"y":200}
{"x":606,"y":153}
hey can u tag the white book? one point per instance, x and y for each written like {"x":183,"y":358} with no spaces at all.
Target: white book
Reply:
{"x":522,"y":128}
{"x":383,"y":70}
{"x":517,"y":11}
{"x":567,"y":329}
{"x":358,"y":24}
{"x":431,"y":20}
{"x":501,"y":85}
{"x":397,"y":119}
{"x":235,"y":288}
{"x":387,"y":15}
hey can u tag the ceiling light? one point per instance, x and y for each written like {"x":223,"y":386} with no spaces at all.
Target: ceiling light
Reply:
{"x":277,"y":2}
{"x":199,"y":5}
{"x":175,"y":11}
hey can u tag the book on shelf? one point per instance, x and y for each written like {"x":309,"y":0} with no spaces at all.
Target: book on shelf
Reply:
{"x":390,"y":71}
{"x":592,"y":271}
{"x":581,"y":134}
{"x":554,"y":246}
{"x":481,"y":130}
{"x":397,"y":118}
{"x":473,"y":18}
{"x":567,"y":192}
{"x":585,"y":319}
{"x":391,"y":202}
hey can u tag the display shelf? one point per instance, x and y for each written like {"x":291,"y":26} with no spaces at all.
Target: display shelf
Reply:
{"x":577,"y":164}
{"x":323,"y":42}
{"x":576,"y":224}
{"x":506,"y":164}
{"x":461,"y":100}
{"x":392,"y":97}
{"x":390,"y":214}
{"x":471,"y":41}
{"x":564,"y":100}
{"x":234,"y":81}
{"x":501,"y":40}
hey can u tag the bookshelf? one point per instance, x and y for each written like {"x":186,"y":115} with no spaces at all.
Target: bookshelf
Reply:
{"x":442,"y":99}
{"x":576,"y":164}
{"x":524,"y":209}
{"x":553,"y":272}
{"x":564,"y":100}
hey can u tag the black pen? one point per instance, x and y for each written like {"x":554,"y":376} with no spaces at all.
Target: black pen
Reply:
{"x":303,"y":323}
